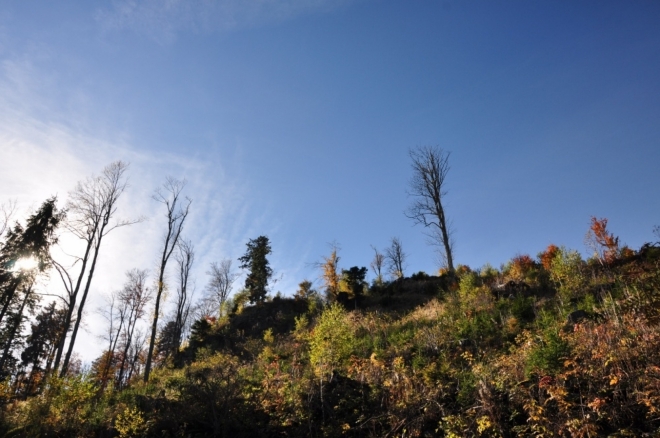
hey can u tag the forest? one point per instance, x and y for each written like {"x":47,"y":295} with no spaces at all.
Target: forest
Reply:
{"x":547,"y":345}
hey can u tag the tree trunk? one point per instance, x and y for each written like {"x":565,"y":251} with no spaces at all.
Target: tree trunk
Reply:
{"x":81,"y":306}
{"x":8,"y":298}
{"x":12,"y":334}
{"x":72,"y":306}
{"x":154,"y":326}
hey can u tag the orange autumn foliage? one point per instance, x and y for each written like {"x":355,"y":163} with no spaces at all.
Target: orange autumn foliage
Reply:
{"x":627,"y":252}
{"x":548,"y":255}
{"x":521,"y":265}
{"x":607,"y":245}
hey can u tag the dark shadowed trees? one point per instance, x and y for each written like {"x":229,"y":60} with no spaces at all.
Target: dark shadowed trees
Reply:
{"x":40,"y":345}
{"x":353,"y":281}
{"x":24,"y":255}
{"x":26,"y":252}
{"x":306,"y":290}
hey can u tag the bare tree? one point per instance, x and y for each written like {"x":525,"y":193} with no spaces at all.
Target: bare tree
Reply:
{"x":377,"y":264}
{"x":396,"y":258}
{"x":136,"y":354}
{"x":114,"y":311}
{"x":7,"y":211}
{"x":134,"y":296}
{"x":92,"y":205}
{"x":184,"y":260}
{"x":219,"y":287}
{"x":427,"y":188}
{"x":204,"y":308}
{"x":177,"y":211}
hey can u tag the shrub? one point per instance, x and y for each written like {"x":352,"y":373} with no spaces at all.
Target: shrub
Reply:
{"x":522,"y":268}
{"x":421,"y":275}
{"x":547,"y":357}
{"x":131,"y":423}
{"x":567,"y":271}
{"x":332,"y":340}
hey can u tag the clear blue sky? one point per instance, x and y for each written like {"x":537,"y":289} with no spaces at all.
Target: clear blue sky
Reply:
{"x":293,"y":118}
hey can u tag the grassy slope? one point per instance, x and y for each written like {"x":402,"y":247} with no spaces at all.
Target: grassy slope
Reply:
{"x":423,"y":357}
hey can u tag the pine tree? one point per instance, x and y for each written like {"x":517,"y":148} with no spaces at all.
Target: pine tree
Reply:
{"x":255,"y":260}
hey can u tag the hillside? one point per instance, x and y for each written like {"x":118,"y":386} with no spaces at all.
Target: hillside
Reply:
{"x":552,"y":346}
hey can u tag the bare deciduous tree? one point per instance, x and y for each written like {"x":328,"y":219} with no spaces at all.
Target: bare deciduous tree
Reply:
{"x":396,"y":258}
{"x":220,"y":284}
{"x":204,"y":308}
{"x":177,"y":211}
{"x":91,"y":206}
{"x":184,"y":260}
{"x":377,"y":264}
{"x":7,"y":211}
{"x":134,"y":297}
{"x":136,"y":354}
{"x":427,"y":188}
{"x":114,"y":311}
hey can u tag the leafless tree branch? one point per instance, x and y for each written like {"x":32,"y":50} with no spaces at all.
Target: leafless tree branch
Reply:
{"x":7,"y":211}
{"x":176,"y":212}
{"x":395,"y":258}
{"x":427,"y":189}
{"x":220,"y":284}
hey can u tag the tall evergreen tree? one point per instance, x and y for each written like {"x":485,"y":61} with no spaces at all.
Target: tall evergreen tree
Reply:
{"x":40,"y":345}
{"x":23,"y":256}
{"x":259,"y":270}
{"x":353,"y":281}
{"x":26,"y":252}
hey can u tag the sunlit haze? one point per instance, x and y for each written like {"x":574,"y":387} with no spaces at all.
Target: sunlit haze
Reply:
{"x":25,"y":264}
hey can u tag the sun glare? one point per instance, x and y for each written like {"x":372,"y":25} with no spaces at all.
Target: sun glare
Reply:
{"x":26,"y":264}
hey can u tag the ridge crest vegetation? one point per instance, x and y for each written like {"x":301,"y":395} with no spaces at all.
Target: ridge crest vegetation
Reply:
{"x":545,"y":346}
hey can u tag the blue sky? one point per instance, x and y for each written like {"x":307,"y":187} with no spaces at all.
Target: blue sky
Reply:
{"x":293,"y":119}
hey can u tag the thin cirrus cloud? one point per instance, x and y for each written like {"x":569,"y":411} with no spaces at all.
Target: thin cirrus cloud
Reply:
{"x":163,"y":20}
{"x":49,"y":142}
{"x":46,"y":149}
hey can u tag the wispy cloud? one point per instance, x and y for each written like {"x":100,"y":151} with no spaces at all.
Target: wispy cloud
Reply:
{"x":162,"y":20}
{"x":44,"y":152}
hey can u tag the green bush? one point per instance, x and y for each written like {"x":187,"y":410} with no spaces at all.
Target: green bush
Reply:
{"x":332,"y":340}
{"x":547,"y":357}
